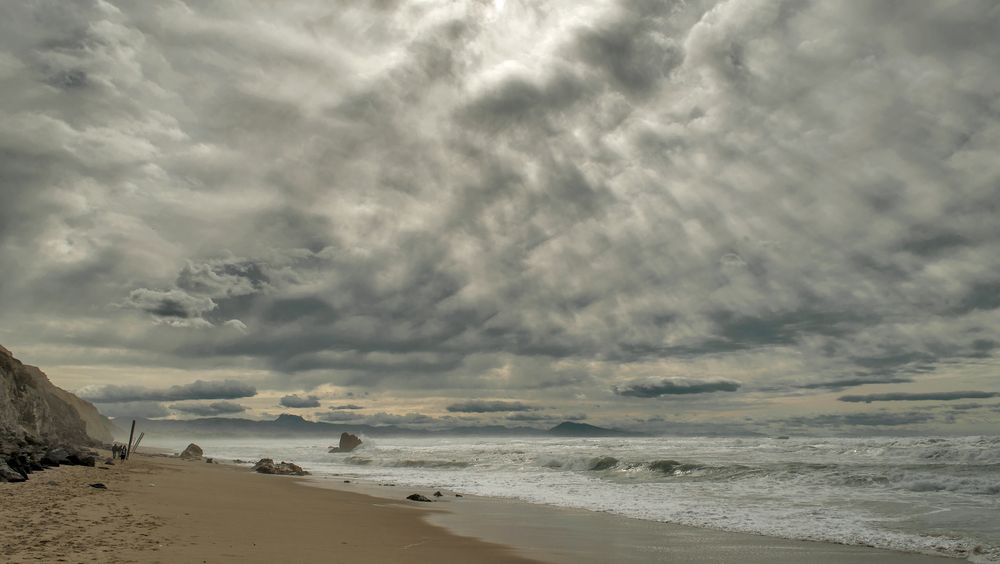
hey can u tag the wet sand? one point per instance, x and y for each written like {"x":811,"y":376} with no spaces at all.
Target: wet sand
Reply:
{"x":164,"y":510}
{"x":576,"y":536}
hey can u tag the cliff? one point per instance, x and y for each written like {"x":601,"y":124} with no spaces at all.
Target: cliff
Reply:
{"x":33,"y":410}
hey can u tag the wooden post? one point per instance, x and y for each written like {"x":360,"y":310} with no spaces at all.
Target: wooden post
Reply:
{"x":137,"y":441}
{"x":131,"y":433}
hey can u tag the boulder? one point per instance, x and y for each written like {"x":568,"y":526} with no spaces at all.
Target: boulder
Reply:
{"x":267,"y":466}
{"x":418,"y":497}
{"x":55,"y":457}
{"x":438,"y":494}
{"x":80,"y":458}
{"x":8,"y":474}
{"x":192,"y":452}
{"x":348,"y":442}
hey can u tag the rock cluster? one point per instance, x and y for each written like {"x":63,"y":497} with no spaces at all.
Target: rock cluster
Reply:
{"x":192,"y":452}
{"x":42,"y":426}
{"x":348,"y":442}
{"x":268,"y":466}
{"x":16,"y":465}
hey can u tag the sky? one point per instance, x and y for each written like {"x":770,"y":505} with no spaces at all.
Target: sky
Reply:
{"x":703,"y":216}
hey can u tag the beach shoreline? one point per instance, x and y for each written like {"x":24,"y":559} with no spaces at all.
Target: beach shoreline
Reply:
{"x":159,"y":509}
{"x":563,"y":535}
{"x":162,"y":509}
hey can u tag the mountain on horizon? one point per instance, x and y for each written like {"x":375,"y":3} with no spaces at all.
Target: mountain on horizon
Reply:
{"x":574,"y":429}
{"x":289,"y":425}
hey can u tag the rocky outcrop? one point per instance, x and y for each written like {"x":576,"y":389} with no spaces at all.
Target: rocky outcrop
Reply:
{"x":348,"y":442}
{"x":41,"y":425}
{"x":267,"y":466}
{"x":192,"y":451}
{"x":418,"y":497}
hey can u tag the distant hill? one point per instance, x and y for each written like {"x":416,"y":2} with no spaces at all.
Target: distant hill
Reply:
{"x":573,"y":429}
{"x":287,"y":425}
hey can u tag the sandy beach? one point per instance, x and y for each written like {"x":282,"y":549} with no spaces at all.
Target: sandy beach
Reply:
{"x":162,"y":509}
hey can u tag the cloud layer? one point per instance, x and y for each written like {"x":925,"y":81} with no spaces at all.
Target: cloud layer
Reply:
{"x":576,"y":203}
{"x":676,"y":386}
{"x":197,"y":390}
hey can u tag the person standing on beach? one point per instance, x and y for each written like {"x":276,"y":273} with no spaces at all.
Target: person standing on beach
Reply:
{"x":122,"y":452}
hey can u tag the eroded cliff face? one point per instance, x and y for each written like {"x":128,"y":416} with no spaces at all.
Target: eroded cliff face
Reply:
{"x":34,"y":411}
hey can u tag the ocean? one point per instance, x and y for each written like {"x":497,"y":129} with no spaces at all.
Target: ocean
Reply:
{"x":930,"y":495}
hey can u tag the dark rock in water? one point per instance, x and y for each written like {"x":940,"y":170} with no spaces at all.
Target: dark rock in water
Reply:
{"x":192,"y":452}
{"x":267,"y":466}
{"x":438,"y":494}
{"x":604,"y":463}
{"x":347,"y":481}
{"x":458,"y":495}
{"x":99,"y":486}
{"x":672,"y":466}
{"x":417,"y":497}
{"x":348,"y":442}
{"x":209,"y":461}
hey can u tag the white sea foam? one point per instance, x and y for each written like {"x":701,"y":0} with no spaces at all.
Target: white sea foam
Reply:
{"x":935,"y":495}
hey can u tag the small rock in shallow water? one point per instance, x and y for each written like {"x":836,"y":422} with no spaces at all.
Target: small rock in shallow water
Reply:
{"x":458,"y":495}
{"x":438,"y":494}
{"x":417,"y":497}
{"x":99,"y":486}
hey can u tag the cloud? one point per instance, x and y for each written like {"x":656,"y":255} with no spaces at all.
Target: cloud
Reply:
{"x":486,"y":406}
{"x":197,"y":390}
{"x":530,"y":417}
{"x":295,"y":401}
{"x":210,"y":409}
{"x":676,"y":386}
{"x":134,"y":409}
{"x":622,"y":191}
{"x":174,"y":303}
{"x":874,"y":419}
{"x":346,"y":406}
{"x":378,"y":419}
{"x":928,"y":396}
{"x":851,"y":382}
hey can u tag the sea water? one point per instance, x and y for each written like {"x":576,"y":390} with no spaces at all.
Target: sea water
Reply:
{"x":932,"y":495}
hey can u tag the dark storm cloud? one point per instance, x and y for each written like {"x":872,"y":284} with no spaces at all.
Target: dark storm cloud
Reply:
{"x":197,"y":390}
{"x":170,"y":303}
{"x":484,"y":406}
{"x":929,"y":396}
{"x":295,"y":401}
{"x":874,"y":419}
{"x":851,"y":382}
{"x":209,"y":409}
{"x":676,"y":386}
{"x":533,"y":202}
